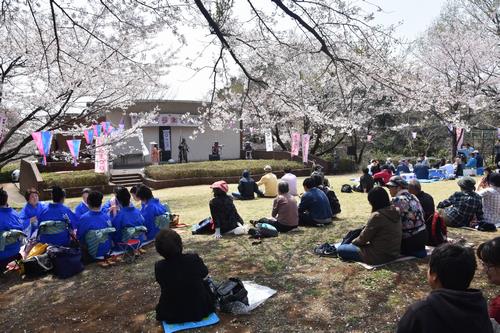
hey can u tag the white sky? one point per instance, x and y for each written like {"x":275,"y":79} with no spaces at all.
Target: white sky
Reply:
{"x":186,"y":84}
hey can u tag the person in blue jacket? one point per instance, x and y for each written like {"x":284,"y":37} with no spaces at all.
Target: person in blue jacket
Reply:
{"x":421,"y":170}
{"x":57,"y":211}
{"x":151,"y":208}
{"x":472,"y":162}
{"x":127,"y":216}
{"x":9,"y":220}
{"x":83,"y":207}
{"x":314,"y":207}
{"x":95,"y":219}
{"x":31,"y":211}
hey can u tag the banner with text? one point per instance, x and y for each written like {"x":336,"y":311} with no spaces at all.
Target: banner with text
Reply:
{"x":305,"y":147}
{"x":3,"y":124}
{"x":269,"y":140}
{"x":101,"y":156}
{"x":295,"y":144}
{"x":167,"y":145}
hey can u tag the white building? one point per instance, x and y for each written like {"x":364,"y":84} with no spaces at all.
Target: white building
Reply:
{"x":168,"y":130}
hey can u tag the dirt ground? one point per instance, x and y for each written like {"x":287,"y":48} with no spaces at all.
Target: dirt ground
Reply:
{"x":313,"y":294}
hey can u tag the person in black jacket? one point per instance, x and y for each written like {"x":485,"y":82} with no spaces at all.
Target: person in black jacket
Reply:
{"x":426,"y":200}
{"x":247,"y":187}
{"x":451,"y":307}
{"x":223,"y":212}
{"x":184,"y":295}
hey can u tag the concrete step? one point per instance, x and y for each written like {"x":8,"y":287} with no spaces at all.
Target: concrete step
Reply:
{"x":126,"y":184}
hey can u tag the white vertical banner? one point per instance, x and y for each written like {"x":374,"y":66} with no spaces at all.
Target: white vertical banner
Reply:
{"x":145,"y":151}
{"x":269,"y":140}
{"x":3,"y":123}
{"x":414,"y":135}
{"x":167,"y":146}
{"x":101,"y":156}
{"x":305,"y":147}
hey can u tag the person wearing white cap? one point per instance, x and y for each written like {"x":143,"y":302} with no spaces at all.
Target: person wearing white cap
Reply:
{"x":270,"y":182}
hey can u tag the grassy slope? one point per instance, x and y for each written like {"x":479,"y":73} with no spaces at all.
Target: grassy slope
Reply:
{"x":315,"y":294}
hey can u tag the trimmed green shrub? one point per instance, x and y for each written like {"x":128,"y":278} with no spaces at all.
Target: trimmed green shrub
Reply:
{"x":6,"y":171}
{"x":215,"y":168}
{"x":75,"y":178}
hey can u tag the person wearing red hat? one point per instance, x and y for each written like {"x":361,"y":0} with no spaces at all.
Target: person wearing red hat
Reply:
{"x":223,"y":212}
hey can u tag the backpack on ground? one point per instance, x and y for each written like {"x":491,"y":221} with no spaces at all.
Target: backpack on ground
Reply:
{"x":436,"y":230}
{"x":37,"y":266}
{"x":67,"y":261}
{"x":346,"y":188}
{"x":263,"y":230}
{"x":231,"y":295}
{"x":334,"y":201}
{"x":206,"y":226}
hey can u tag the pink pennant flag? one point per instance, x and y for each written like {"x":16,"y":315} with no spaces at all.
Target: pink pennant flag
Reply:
{"x":74,"y":149}
{"x":89,"y":136}
{"x":305,"y":147}
{"x":37,"y":137}
{"x":295,"y":144}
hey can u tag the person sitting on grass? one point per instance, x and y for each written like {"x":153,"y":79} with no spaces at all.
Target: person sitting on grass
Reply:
{"x":489,"y":254}
{"x":491,"y":201}
{"x":83,"y":207}
{"x":224,"y":214}
{"x":485,"y":181}
{"x":412,"y":218}
{"x":247,"y":187}
{"x":402,"y":167}
{"x":463,"y":207}
{"x":421,"y":170}
{"x":184,"y":296}
{"x":330,"y":194}
{"x":151,"y":209}
{"x":270,"y":182}
{"x":314,"y":208}
{"x":95,"y":219}
{"x":57,"y":211}
{"x":472,"y":162}
{"x":458,"y":166}
{"x":133,"y":193}
{"x":366,"y":182}
{"x":291,"y":179}
{"x":380,"y":240}
{"x":451,"y":307}
{"x":9,"y":220}
{"x":426,"y":200}
{"x":284,"y":211}
{"x":31,"y":211}
{"x":383,"y":176}
{"x":128,"y":216}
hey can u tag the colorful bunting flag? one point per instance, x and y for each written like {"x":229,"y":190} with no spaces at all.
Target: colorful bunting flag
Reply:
{"x":74,"y":149}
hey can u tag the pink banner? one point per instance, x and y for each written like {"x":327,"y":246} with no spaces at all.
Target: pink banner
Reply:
{"x":369,"y":138}
{"x":305,"y":147}
{"x":295,"y":144}
{"x":101,"y":156}
{"x":459,"y":133}
{"x":37,"y":137}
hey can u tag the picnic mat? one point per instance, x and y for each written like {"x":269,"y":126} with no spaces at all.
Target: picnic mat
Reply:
{"x":429,"y":250}
{"x":474,"y":229}
{"x":211,"y":319}
{"x":429,"y":180}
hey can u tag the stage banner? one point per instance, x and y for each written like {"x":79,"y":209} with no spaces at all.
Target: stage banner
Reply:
{"x":101,"y":156}
{"x":89,"y":136}
{"x":74,"y":149}
{"x":295,"y":144}
{"x":269,"y":140}
{"x":305,"y":147}
{"x":167,"y":145}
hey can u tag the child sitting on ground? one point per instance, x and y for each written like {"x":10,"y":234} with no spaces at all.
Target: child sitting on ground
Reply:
{"x":184,"y":294}
{"x":451,"y":306}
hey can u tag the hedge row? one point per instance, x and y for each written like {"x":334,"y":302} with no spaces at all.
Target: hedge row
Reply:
{"x":75,"y":178}
{"x":215,"y":168}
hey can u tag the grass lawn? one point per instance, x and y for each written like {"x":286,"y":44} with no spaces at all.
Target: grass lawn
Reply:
{"x":314,"y":294}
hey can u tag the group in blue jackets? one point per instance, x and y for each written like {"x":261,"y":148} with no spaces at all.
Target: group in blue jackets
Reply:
{"x":314,"y":207}
{"x":96,"y":228}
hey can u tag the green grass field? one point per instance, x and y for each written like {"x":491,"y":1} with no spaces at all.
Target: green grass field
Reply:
{"x":314,"y":294}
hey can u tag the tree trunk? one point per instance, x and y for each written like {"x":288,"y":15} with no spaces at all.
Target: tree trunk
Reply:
{"x":276,"y":133}
{"x":317,"y":141}
{"x":329,"y":149}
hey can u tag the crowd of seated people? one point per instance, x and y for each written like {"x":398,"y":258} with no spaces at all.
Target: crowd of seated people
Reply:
{"x":98,"y":228}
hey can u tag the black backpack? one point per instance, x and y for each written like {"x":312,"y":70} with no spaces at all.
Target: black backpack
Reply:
{"x":437,"y":232}
{"x":206,"y":226}
{"x":346,"y":188}
{"x":230,"y":292}
{"x":334,"y":202}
